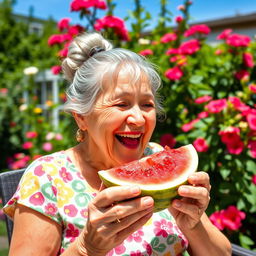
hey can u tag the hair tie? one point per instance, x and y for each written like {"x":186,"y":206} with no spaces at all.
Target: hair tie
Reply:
{"x":95,"y":50}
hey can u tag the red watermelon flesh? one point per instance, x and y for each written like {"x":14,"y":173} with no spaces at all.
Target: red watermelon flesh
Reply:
{"x":161,"y":167}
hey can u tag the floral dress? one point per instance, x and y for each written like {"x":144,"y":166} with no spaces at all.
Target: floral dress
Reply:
{"x":53,"y":186}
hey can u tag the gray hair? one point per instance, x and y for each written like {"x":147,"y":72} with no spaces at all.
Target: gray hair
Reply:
{"x":87,"y":72}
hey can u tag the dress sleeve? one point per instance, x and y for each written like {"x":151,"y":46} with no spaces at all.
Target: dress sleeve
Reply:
{"x":36,"y":191}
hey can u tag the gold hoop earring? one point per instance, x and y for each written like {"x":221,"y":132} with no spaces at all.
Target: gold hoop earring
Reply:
{"x":80,"y":135}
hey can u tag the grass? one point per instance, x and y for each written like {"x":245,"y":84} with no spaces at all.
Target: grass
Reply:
{"x":3,"y":231}
{"x":4,"y":252}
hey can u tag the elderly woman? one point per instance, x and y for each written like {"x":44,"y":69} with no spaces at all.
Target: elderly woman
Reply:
{"x":61,"y":207}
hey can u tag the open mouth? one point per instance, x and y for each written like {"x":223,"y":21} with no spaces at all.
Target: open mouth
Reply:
{"x":129,"y":140}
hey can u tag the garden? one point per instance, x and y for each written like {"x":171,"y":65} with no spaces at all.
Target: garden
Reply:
{"x":208,"y":93}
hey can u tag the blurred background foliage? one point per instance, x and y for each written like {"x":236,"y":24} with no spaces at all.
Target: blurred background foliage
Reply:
{"x":208,"y":92}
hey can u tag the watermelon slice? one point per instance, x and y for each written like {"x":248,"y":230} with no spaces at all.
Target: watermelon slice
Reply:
{"x":158,"y":175}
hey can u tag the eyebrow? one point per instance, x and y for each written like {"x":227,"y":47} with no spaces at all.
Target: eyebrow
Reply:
{"x":127,"y":94}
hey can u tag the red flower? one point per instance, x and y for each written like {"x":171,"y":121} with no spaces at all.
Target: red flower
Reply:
{"x":237,"y":40}
{"x":72,"y":231}
{"x":202,"y":114}
{"x":56,"y":70}
{"x":235,"y":147}
{"x":201,"y":145}
{"x":248,"y":59}
{"x":31,"y":135}
{"x":174,"y":73}
{"x":224,"y":34}
{"x":3,"y":91}
{"x":190,"y":125}
{"x":27,"y":145}
{"x":254,"y":179}
{"x":252,"y":147}
{"x":74,"y":30}
{"x":79,"y":5}
{"x":169,"y":37}
{"x":189,"y":47}
{"x":179,"y":19}
{"x":115,"y":23}
{"x":167,"y":140}
{"x":216,"y":219}
{"x":63,"y":24}
{"x":232,"y":218}
{"x":200,"y":29}
{"x":146,"y":52}
{"x":216,"y":106}
{"x":58,"y":39}
{"x":230,"y":134}
{"x":252,"y":88}
{"x":203,"y":99}
{"x":238,"y":104}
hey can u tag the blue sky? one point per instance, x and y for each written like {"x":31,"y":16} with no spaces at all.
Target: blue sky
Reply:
{"x":201,"y":10}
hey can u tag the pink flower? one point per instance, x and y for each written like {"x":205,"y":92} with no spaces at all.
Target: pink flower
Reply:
{"x":137,"y":253}
{"x":74,"y":30}
{"x":37,"y":199}
{"x":202,"y":114}
{"x":27,"y":145}
{"x":56,"y":70}
{"x":216,"y":106}
{"x":252,"y":88}
{"x":80,"y":5}
{"x":31,"y":135}
{"x":203,"y":99}
{"x":162,"y":228}
{"x":254,"y":179}
{"x":3,"y":91}
{"x":224,"y":34}
{"x":70,"y":210}
{"x":47,"y":146}
{"x":230,"y":134}
{"x":136,"y":236}
{"x":179,"y":19}
{"x":248,"y":59}
{"x":58,"y":136}
{"x":146,"y":52}
{"x":252,"y":147}
{"x":172,"y":51}
{"x":51,"y":209}
{"x":148,"y":247}
{"x":216,"y":219}
{"x":189,"y":47}
{"x":218,"y":52}
{"x":251,"y":119}
{"x":200,"y":29}
{"x":238,"y":104}
{"x":201,"y":145}
{"x":63,"y":24}
{"x":58,"y":39}
{"x":232,"y":218}
{"x":62,"y":53}
{"x":115,"y":23}
{"x":237,"y":40}
{"x":174,"y":73}
{"x":190,"y":125}
{"x":119,"y":250}
{"x":169,"y":37}
{"x":167,"y":140}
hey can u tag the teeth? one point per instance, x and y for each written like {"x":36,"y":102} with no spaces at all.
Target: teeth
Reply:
{"x":129,"y":135}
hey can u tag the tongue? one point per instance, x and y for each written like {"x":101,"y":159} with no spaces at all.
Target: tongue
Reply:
{"x":129,"y":142}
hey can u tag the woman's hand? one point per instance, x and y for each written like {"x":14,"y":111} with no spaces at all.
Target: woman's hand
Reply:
{"x":188,"y":210}
{"x":109,"y":222}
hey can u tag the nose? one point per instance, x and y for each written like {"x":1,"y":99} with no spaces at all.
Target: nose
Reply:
{"x":136,"y":116}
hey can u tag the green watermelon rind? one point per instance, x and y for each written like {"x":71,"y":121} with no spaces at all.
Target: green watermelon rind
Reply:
{"x":162,"y":196}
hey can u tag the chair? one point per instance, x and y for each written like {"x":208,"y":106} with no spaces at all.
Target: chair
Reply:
{"x":8,"y":184}
{"x":9,"y":181}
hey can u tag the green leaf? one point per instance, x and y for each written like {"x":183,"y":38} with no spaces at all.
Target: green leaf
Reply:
{"x":245,"y":241}
{"x":225,"y":173}
{"x":196,"y":79}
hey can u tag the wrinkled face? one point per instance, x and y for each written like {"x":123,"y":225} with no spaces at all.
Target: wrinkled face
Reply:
{"x":122,"y":122}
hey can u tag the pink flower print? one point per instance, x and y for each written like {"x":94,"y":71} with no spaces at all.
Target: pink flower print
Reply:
{"x":84,"y":213}
{"x":148,"y":247}
{"x":39,"y":170}
{"x":50,"y":209}
{"x":46,"y":158}
{"x":72,"y":232}
{"x":162,"y":228}
{"x":37,"y":199}
{"x":137,"y":253}
{"x":65,"y":175}
{"x":120,"y":249}
{"x":136,"y":236}
{"x":70,"y":210}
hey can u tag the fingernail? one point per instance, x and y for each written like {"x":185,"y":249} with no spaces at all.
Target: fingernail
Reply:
{"x":135,"y":190}
{"x":148,"y":201}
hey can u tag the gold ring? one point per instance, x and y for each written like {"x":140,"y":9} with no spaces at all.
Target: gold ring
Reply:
{"x":117,"y":220}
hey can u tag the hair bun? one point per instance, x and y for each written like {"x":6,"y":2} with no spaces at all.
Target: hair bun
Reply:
{"x":81,"y":49}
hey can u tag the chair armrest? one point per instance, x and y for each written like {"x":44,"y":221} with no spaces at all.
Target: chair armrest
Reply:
{"x":240,"y":251}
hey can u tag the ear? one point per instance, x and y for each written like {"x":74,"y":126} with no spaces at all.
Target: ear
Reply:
{"x":80,"y":120}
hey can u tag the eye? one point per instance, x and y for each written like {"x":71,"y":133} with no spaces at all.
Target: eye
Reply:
{"x":149,"y":105}
{"x":121,"y":105}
